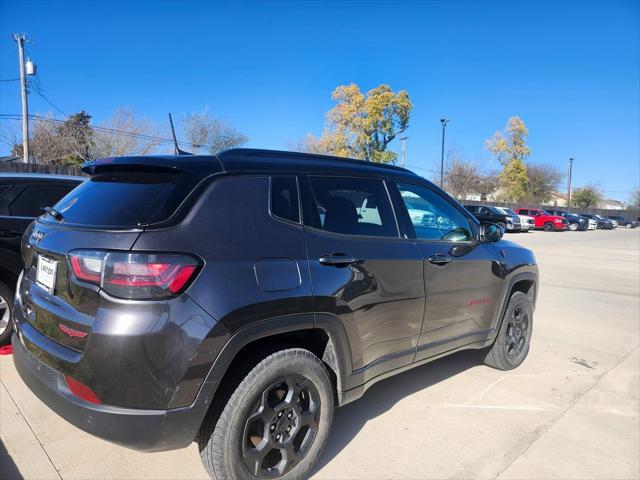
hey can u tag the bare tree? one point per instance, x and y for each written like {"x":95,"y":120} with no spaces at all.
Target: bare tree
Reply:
{"x":209,"y":134}
{"x":543,"y":181}
{"x":488,"y":184}
{"x":461,"y":178}
{"x":125,"y":134}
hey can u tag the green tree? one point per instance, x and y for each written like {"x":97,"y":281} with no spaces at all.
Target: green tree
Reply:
{"x":512,"y":144}
{"x":77,"y":133}
{"x":362,"y":125}
{"x":514,"y":180}
{"x":587,"y":196}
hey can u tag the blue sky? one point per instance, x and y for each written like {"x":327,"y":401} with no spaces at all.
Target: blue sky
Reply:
{"x":571,"y":70}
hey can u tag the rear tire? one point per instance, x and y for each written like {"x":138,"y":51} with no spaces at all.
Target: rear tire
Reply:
{"x":276,"y":422}
{"x":511,"y":345}
{"x":549,"y":227}
{"x":6,"y":311}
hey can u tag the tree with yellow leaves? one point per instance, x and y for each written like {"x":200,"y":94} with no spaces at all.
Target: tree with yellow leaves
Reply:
{"x":363,"y":125}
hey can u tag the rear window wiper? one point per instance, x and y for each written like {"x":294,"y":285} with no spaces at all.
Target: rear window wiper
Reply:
{"x":54,"y":213}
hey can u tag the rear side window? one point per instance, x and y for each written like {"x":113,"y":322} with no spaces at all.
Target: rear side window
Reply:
{"x":351,"y":206}
{"x":35,"y":197}
{"x":126,"y":199}
{"x":284,"y":198}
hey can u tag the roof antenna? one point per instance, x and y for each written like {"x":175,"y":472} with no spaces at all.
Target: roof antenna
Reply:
{"x":177,"y":150}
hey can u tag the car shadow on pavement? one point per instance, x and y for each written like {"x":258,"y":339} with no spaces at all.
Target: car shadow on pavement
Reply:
{"x":382,"y":396}
{"x":8,"y":469}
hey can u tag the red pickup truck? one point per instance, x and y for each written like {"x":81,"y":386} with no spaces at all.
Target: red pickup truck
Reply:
{"x":544,"y":219}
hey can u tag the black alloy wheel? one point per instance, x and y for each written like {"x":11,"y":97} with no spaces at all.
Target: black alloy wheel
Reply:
{"x":282,"y":427}
{"x":548,"y":227}
{"x":516,"y":338}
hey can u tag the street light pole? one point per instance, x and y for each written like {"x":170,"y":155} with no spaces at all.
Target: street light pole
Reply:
{"x":444,"y":122}
{"x":403,"y":139}
{"x":23,"y":88}
{"x":569,"y":183}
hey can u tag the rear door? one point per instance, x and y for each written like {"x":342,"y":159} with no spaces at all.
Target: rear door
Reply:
{"x":362,"y":271}
{"x":462,"y":276}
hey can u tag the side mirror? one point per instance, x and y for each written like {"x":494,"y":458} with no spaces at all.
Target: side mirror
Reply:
{"x":490,"y":232}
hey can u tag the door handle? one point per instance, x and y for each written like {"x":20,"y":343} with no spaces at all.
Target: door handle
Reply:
{"x":440,"y":259}
{"x":337,"y":260}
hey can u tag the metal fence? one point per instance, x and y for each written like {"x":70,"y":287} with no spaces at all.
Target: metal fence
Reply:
{"x":630,"y":213}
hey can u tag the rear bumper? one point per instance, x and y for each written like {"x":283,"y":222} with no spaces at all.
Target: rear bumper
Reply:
{"x":144,"y":430}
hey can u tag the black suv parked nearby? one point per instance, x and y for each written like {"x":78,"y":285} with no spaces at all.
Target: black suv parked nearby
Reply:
{"x":237,"y":299}
{"x":487,"y":214}
{"x":576,"y":222}
{"x":623,"y":221}
{"x":22,"y":198}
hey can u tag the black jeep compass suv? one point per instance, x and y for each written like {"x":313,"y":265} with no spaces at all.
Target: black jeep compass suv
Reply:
{"x":235,"y":300}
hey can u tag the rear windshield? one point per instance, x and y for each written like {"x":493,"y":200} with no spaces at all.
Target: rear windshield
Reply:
{"x":126,"y":199}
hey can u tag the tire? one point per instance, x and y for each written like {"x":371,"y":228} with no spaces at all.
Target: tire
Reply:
{"x":6,"y":310}
{"x":629,"y":226}
{"x":511,"y":346}
{"x":258,"y":413}
{"x":503,"y":225}
{"x":573,"y":226}
{"x":549,"y":227}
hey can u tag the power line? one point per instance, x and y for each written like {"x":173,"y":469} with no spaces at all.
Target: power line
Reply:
{"x":9,"y":79}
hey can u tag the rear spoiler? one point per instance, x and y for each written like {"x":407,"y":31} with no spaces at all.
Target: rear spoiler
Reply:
{"x":200,"y":165}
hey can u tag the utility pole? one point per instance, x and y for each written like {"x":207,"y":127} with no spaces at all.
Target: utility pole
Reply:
{"x":444,"y":122}
{"x":569,"y":183}
{"x":21,"y":39}
{"x":403,"y":139}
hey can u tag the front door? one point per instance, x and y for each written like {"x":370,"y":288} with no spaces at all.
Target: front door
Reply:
{"x":362,"y":272}
{"x":462,"y":276}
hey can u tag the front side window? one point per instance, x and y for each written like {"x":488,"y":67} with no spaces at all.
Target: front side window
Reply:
{"x":432,"y":216}
{"x":284,"y":198}
{"x":351,"y":206}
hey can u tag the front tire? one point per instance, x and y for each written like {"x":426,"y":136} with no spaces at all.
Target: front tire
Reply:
{"x":511,"y":345}
{"x":573,"y":226}
{"x":549,"y":227}
{"x":276,"y":422}
{"x":6,"y":310}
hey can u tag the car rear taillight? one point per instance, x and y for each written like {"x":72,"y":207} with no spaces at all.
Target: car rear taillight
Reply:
{"x":139,"y":276}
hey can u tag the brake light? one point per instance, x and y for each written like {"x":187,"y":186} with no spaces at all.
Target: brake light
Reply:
{"x":135,"y":275}
{"x":79,"y":389}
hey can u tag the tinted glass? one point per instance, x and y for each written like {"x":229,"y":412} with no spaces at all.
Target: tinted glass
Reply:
{"x":432,"y":216}
{"x":126,"y":199}
{"x":352,"y":206}
{"x":35,"y":197}
{"x":284,"y":198}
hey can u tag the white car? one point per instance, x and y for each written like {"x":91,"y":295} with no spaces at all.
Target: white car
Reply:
{"x":526,"y":222}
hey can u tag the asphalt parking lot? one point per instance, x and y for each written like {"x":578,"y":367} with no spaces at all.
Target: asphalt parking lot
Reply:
{"x":572,"y":410}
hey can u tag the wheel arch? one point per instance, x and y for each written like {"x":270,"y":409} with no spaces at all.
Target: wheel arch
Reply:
{"x":525,"y":282}
{"x":323,"y":335}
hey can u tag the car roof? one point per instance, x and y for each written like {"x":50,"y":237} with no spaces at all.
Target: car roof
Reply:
{"x":38,"y":177}
{"x":256,"y":160}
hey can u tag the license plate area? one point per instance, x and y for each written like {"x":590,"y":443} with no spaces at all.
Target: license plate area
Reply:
{"x":46,"y":273}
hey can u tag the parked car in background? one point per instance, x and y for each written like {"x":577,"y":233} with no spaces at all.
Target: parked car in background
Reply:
{"x":603,"y":223}
{"x":576,"y":222}
{"x":22,"y":199}
{"x":526,"y":222}
{"x":487,"y":214}
{"x":160,"y":316}
{"x":544,"y":219}
{"x":623,"y":221}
